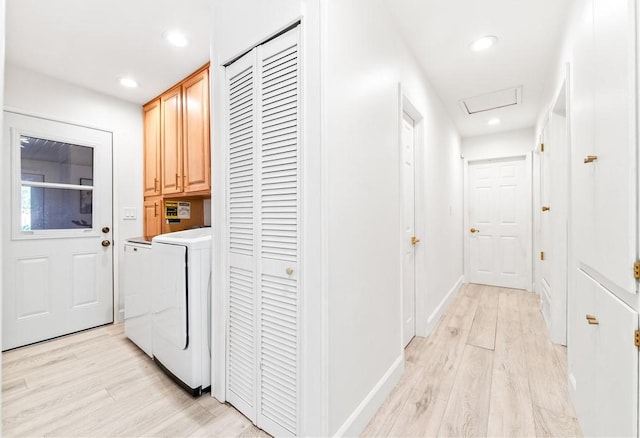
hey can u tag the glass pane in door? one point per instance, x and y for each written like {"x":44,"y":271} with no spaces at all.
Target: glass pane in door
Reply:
{"x":57,"y":162}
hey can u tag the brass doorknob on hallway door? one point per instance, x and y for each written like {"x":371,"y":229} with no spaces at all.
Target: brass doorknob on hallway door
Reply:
{"x":474,"y":230}
{"x":414,"y":240}
{"x":106,"y":243}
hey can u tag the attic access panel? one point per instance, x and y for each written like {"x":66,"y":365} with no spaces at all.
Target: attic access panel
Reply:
{"x":492,"y":101}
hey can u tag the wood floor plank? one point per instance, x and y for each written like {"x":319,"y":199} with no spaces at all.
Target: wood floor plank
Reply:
{"x":483,"y":330}
{"x":421,"y":414}
{"x":467,"y":411}
{"x":547,"y":382}
{"x":511,"y":410}
{"x":551,"y":424}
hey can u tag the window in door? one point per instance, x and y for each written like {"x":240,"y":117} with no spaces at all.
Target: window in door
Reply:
{"x":56,"y":186}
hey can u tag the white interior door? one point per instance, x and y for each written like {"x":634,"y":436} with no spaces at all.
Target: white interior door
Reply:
{"x":497,"y":237}
{"x":409,"y":239}
{"x":546,"y":256}
{"x":58,"y":258}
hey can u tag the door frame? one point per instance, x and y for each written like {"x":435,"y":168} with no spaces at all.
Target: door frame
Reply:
{"x":528,"y":237}
{"x":6,"y":196}
{"x":420,"y":317}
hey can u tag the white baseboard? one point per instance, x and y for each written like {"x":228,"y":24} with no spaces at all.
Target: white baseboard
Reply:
{"x":119,"y":317}
{"x":365,"y":411}
{"x":437,"y":313}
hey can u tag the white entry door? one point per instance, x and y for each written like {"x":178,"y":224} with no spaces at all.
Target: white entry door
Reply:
{"x":58,"y":256}
{"x":498,"y":234}
{"x":408,"y":231}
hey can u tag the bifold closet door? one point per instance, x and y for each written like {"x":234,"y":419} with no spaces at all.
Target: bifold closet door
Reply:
{"x":263,"y":225}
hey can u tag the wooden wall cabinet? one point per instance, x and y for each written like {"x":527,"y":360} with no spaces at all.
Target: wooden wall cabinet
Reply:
{"x":151,"y":151}
{"x":177,"y":153}
{"x":153,"y":216}
{"x":196,"y":151}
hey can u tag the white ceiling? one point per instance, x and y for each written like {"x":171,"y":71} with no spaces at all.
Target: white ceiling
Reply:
{"x":93,"y":43}
{"x":440,"y":32}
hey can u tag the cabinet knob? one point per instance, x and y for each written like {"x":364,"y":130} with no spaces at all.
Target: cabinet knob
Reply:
{"x":289,"y":271}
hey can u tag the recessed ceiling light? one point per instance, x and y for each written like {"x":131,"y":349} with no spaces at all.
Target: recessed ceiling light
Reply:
{"x":483,"y":43}
{"x":176,"y":38}
{"x":128,"y":82}
{"x":494,"y":122}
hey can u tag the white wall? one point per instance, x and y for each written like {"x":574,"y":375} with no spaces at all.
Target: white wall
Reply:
{"x":352,"y":62}
{"x":36,"y":94}
{"x":364,"y":61}
{"x":234,"y":32}
{"x":2,"y":217}
{"x":501,"y":144}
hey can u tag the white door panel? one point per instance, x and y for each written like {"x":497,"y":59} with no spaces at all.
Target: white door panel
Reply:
{"x":498,"y":249}
{"x":58,"y":261}
{"x":408,"y":217}
{"x":603,"y":360}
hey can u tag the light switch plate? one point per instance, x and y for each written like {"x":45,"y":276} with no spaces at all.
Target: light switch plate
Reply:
{"x":130,"y":213}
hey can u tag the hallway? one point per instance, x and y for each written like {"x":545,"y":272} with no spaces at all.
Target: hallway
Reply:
{"x":488,"y":369}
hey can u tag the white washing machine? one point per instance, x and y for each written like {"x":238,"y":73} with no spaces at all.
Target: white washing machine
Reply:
{"x":136,"y":271}
{"x":181,"y":280}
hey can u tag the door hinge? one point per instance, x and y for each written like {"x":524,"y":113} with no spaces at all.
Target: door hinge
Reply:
{"x":541,"y":147}
{"x":541,"y":255}
{"x":636,"y":270}
{"x":637,"y":339}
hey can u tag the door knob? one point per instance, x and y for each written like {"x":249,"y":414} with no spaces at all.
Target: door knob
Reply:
{"x":545,"y":208}
{"x":474,"y":230}
{"x":105,"y":230}
{"x":414,"y":240}
{"x":590,"y":159}
{"x":106,"y":243}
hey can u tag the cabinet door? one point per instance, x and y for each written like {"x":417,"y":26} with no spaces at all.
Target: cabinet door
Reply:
{"x":152,"y":217}
{"x":151,"y":151}
{"x":171,"y":140}
{"x":196,"y":146}
{"x":616,"y":392}
{"x":603,"y":360}
{"x":582,"y":351}
{"x":610,"y":186}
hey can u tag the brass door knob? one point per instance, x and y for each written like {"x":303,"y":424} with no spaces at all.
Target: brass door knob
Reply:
{"x":414,"y":240}
{"x":474,"y":230}
{"x":106,"y":243}
{"x":590,"y":159}
{"x":545,"y":208}
{"x":105,"y":230}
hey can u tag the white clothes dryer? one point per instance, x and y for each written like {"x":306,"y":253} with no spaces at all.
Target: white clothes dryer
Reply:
{"x":181,"y":291}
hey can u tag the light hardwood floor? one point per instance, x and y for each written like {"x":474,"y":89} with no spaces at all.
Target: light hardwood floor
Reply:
{"x":488,"y":369}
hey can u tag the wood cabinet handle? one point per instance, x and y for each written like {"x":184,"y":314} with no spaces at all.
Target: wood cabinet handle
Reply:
{"x":155,"y":184}
{"x":155,"y":209}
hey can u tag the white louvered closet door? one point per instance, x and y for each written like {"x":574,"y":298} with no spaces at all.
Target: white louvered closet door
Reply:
{"x":241,"y":223}
{"x":264,"y":205}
